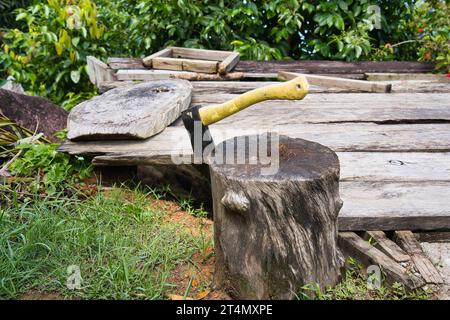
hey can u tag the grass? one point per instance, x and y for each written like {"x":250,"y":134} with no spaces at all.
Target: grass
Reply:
{"x":124,"y":248}
{"x":354,"y":287}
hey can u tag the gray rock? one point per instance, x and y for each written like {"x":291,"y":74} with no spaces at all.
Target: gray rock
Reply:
{"x":130,"y":112}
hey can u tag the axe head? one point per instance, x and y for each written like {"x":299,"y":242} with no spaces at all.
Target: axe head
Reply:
{"x":198,"y":133}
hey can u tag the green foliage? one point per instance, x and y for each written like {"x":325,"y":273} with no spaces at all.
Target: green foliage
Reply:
{"x":354,"y":287}
{"x":124,"y":248}
{"x":425,"y":35}
{"x":48,"y":57}
{"x":53,"y":170}
{"x":47,"y":52}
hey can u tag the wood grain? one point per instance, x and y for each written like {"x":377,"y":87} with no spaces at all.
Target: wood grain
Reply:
{"x":380,"y":241}
{"x":425,"y":267}
{"x":357,"y":248}
{"x":134,"y":112}
{"x":335,"y":82}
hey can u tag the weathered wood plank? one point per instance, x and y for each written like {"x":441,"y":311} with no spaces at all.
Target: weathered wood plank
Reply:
{"x":405,"y":76}
{"x":395,"y":166}
{"x":237,"y":87}
{"x":339,"y":137}
{"x":149,"y":75}
{"x":394,"y":206}
{"x":135,"y":112}
{"x":148,"y":61}
{"x":98,"y":71}
{"x":335,"y":82}
{"x":386,"y":245}
{"x":315,"y":66}
{"x":305,"y":66}
{"x":229,"y":63}
{"x":167,"y":63}
{"x":361,"y":250}
{"x":201,"y":54}
{"x":433,"y":236}
{"x":427,"y":270}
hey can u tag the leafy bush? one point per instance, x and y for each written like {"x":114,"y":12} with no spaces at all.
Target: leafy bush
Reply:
{"x":53,"y":170}
{"x":49,"y":58}
{"x":48,"y":54}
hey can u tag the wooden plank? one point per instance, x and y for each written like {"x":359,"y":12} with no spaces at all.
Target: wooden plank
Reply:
{"x":238,"y":87}
{"x":116,"y":63}
{"x":340,"y":108}
{"x":427,"y":270}
{"x":394,"y":206}
{"x":167,"y":63}
{"x":339,"y":137}
{"x":149,"y":75}
{"x":98,"y":71}
{"x":229,"y":63}
{"x":332,"y":67}
{"x":394,"y":166}
{"x":435,"y":236}
{"x":200,"y":54}
{"x":306,"y":66}
{"x":148,"y":61}
{"x":334,"y":82}
{"x":368,"y":255}
{"x":386,"y":245}
{"x":406,"y":76}
{"x":153,"y":106}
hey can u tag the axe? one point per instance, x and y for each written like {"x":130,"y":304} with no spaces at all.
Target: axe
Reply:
{"x":196,"y":119}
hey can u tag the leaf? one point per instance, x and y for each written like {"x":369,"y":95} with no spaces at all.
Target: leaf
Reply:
{"x":21,"y":16}
{"x":343,"y":5}
{"x":202,"y":295}
{"x":358,"y":51}
{"x":75,"y":76}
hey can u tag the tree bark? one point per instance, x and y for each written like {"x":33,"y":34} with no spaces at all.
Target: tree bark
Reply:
{"x":278,"y":232}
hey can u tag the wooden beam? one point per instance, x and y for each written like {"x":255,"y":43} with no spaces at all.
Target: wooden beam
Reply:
{"x":406,"y":76}
{"x":148,"y":61}
{"x":427,"y":270}
{"x":386,"y":245}
{"x":363,"y":252}
{"x":201,"y":54}
{"x":168,"y":63}
{"x":229,"y":63}
{"x":334,"y":82}
{"x":98,"y":71}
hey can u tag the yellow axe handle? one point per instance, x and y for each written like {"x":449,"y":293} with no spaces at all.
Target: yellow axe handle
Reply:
{"x":295,"y":89}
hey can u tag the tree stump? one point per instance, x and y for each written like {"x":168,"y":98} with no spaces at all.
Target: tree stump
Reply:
{"x":274,"y":233}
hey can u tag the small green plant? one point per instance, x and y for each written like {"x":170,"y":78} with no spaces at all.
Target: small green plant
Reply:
{"x":354,"y":286}
{"x":52,"y":170}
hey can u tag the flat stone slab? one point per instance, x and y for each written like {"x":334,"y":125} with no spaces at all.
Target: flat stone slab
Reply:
{"x":130,"y":112}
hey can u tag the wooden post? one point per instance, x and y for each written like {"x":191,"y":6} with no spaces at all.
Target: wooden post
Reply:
{"x":275,"y":232}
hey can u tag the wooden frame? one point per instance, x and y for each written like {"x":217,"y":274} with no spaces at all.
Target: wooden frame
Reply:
{"x":197,"y":60}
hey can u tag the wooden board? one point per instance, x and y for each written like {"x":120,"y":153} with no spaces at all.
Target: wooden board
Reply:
{"x":196,"y":60}
{"x":306,"y":66}
{"x":425,"y":267}
{"x":135,"y":112}
{"x":380,"y":241}
{"x":335,"y":82}
{"x":98,"y":71}
{"x":394,"y":205}
{"x":217,"y":86}
{"x":339,"y":137}
{"x":355,"y":247}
